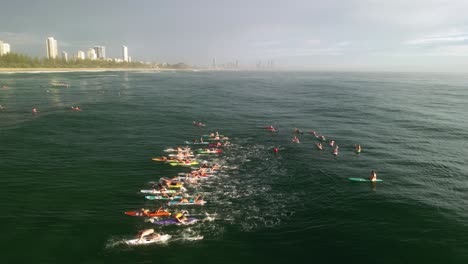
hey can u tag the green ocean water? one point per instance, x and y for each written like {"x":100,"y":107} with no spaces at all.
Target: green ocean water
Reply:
{"x":67,"y":177}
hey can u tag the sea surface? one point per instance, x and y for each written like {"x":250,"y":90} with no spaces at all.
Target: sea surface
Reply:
{"x":67,"y":177}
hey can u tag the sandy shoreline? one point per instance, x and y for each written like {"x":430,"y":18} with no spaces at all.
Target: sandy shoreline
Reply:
{"x":45,"y":70}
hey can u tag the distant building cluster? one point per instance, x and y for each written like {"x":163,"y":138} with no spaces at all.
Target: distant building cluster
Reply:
{"x":265,"y":65}
{"x":234,"y":65}
{"x":95,"y":53}
{"x":230,"y":65}
{"x":4,"y":48}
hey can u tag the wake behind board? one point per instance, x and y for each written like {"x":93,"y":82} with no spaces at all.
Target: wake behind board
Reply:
{"x":145,"y":240}
{"x":175,"y":222}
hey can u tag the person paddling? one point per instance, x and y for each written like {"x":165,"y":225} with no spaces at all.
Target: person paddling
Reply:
{"x":358,"y":148}
{"x":180,"y":217}
{"x":145,"y":211}
{"x":144,"y":233}
{"x":373,"y":176}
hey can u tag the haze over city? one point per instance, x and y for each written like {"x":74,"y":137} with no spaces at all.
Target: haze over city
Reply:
{"x":421,"y":35}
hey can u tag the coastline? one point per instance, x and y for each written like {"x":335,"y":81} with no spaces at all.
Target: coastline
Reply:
{"x":52,"y":70}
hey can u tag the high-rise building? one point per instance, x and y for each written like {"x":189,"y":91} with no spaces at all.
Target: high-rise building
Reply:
{"x":92,"y":54}
{"x":81,"y":55}
{"x":100,"y":52}
{"x":4,"y":48}
{"x":125,"y":53}
{"x":65,"y":56}
{"x":213,"y":65}
{"x":52,"y":49}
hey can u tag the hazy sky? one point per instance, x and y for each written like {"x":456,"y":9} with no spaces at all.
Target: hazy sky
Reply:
{"x":302,"y":34}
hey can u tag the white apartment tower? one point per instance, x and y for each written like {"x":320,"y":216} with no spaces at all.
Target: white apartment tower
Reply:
{"x":81,"y":55}
{"x":100,"y":52}
{"x":125,"y":53}
{"x":4,"y":48}
{"x":52,"y":49}
{"x":92,"y":54}
{"x":65,"y":56}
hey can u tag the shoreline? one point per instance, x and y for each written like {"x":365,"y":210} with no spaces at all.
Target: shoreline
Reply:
{"x":52,"y":70}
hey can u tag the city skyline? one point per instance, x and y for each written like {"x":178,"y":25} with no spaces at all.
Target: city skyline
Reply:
{"x":356,"y":34}
{"x":94,"y":53}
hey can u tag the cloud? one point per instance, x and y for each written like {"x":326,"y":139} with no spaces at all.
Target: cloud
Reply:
{"x":313,"y":41}
{"x":438,"y":40}
{"x":412,"y":14}
{"x":267,"y":43}
{"x":20,"y":38}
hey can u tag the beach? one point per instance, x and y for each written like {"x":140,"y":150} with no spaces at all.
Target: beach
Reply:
{"x":39,"y":70}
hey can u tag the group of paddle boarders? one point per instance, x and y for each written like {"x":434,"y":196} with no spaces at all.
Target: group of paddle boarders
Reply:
{"x":173,"y":189}
{"x":319,"y":145}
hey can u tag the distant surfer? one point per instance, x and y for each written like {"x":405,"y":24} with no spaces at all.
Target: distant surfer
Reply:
{"x":319,"y":146}
{"x":358,"y":148}
{"x":335,"y":151}
{"x":275,"y":150}
{"x":297,"y":130}
{"x":34,"y":110}
{"x":373,"y":176}
{"x":198,"y":124}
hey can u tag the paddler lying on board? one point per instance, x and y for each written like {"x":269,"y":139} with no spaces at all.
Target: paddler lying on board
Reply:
{"x":147,"y":212}
{"x":297,"y":130}
{"x":158,"y":187}
{"x":180,"y":216}
{"x":198,"y":199}
{"x":175,"y":180}
{"x":171,"y":195}
{"x":319,"y":146}
{"x":147,"y":232}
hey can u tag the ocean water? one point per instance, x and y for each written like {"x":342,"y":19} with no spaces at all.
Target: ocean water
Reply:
{"x":67,"y":177}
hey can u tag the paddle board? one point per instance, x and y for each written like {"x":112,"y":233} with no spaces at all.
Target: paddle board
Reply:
{"x":191,"y":203}
{"x":150,"y":214}
{"x":362,"y":180}
{"x":174,"y":221}
{"x":157,"y":192}
{"x":147,"y":240}
{"x":152,"y":197}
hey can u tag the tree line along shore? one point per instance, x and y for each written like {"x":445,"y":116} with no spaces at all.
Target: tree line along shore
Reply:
{"x":15,"y":60}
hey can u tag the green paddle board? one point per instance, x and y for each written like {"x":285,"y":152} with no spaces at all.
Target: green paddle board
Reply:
{"x":362,"y":180}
